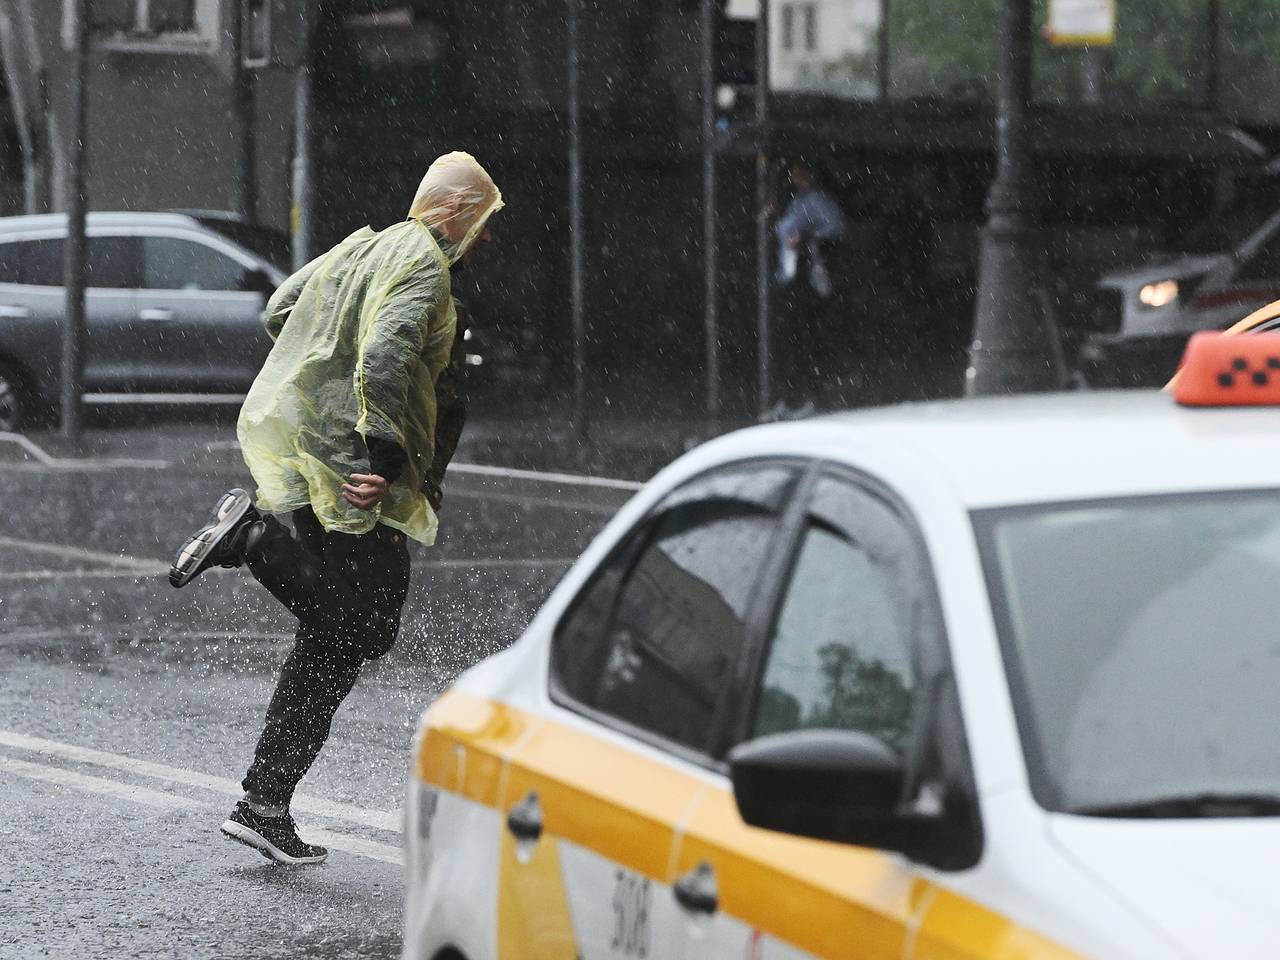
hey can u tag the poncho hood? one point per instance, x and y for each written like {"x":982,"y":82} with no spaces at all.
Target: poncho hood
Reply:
{"x":456,"y":198}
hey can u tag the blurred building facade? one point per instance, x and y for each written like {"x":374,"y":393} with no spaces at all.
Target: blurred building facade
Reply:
{"x":894,"y":110}
{"x":163,"y":124}
{"x":825,"y":46}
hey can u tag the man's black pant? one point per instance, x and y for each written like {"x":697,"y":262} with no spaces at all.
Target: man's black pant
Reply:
{"x":347,"y":592}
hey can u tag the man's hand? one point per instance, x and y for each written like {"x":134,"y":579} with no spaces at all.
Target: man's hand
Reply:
{"x":365,"y":491}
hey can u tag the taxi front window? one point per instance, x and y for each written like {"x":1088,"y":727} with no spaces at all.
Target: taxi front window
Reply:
{"x":1142,"y":641}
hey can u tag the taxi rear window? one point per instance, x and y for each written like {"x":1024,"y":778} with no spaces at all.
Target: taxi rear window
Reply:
{"x":1141,"y":638}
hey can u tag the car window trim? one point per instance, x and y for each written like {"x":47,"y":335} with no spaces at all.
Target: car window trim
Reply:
{"x":27,"y":236}
{"x":201,"y":235}
{"x":943,"y":731}
{"x":762,"y":614}
{"x":210,"y":242}
{"x":91,"y":233}
{"x":629,"y":542}
{"x":4,"y":242}
{"x":865,"y":483}
{"x":218,"y":244}
{"x":135,"y":258}
{"x":748,"y":694}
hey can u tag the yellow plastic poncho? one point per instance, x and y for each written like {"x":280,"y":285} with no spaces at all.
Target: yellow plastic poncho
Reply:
{"x":361,"y":335}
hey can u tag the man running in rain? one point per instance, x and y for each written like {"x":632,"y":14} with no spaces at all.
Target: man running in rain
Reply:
{"x":339,"y":432}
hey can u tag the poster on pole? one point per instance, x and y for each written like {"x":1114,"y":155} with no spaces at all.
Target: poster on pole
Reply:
{"x":1078,"y":23}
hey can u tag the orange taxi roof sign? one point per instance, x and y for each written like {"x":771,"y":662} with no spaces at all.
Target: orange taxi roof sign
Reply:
{"x":1229,"y":371}
{"x":1263,"y":317}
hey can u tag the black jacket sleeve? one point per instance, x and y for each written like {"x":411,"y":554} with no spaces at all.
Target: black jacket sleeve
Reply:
{"x":386,"y":458}
{"x":451,"y":413}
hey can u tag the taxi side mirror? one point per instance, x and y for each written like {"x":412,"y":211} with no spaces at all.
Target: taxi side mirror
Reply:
{"x":834,"y":785}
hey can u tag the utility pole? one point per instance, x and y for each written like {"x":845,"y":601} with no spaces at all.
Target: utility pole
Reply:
{"x":882,"y":51}
{"x":303,"y":194}
{"x":40,"y":193}
{"x":75,"y":248}
{"x":709,"y":250}
{"x":577,"y":305}
{"x":1010,"y":352}
{"x":1212,"y":55}
{"x":764,"y":371}
{"x":1092,"y":75}
{"x":242,"y":118}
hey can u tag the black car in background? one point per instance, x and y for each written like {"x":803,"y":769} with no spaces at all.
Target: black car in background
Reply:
{"x":172,"y":309}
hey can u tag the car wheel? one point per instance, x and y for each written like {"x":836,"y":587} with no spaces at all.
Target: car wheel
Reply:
{"x":12,"y":400}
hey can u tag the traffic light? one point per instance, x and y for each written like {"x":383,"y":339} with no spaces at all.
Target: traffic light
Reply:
{"x":735,"y":51}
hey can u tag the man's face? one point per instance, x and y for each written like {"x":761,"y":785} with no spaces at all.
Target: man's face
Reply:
{"x":485,"y":237}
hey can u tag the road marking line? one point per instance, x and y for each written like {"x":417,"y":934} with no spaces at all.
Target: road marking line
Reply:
{"x":167,"y":801}
{"x":77,"y":553}
{"x":38,"y":454}
{"x":482,"y":470}
{"x":333,"y":810}
{"x":69,"y":778}
{"x":127,"y":567}
{"x":348,"y":844}
{"x":574,"y":479}
{"x":476,"y":469}
{"x":81,"y":633}
{"x":528,"y":500}
{"x":34,"y":451}
{"x":136,"y":573}
{"x":151,"y":571}
{"x":483,"y":563}
{"x":135,"y":568}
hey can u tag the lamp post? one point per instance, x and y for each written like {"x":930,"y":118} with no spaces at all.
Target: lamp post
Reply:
{"x":242,"y":114}
{"x":1010,"y":352}
{"x":75,"y":249}
{"x":764,"y":371}
{"x":711,"y":324}
{"x":581,"y":423}
{"x":303,"y":167}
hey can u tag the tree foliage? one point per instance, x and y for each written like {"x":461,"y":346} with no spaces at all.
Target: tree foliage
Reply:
{"x":942,"y":47}
{"x":1160,"y":59}
{"x":855,"y":694}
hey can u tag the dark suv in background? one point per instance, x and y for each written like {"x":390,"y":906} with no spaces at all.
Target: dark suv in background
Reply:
{"x":172,"y":308}
{"x":1205,"y":279}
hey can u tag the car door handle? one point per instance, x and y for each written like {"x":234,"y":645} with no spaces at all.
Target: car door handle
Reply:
{"x":9,"y":312}
{"x":155,"y":313}
{"x":696,"y":891}
{"x":525,"y":819}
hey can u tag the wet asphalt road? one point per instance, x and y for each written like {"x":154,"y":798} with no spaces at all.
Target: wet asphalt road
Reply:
{"x":129,"y":710}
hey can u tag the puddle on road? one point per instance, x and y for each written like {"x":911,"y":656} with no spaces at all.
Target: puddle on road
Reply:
{"x":423,"y":659}
{"x":112,"y":652}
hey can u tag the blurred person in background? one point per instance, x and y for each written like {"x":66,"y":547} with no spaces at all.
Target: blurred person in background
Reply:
{"x":347,"y":432}
{"x":809,"y":232}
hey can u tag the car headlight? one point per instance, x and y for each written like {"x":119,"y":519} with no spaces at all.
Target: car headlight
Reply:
{"x":1158,"y":294}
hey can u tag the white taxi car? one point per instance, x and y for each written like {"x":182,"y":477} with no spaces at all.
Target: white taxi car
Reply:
{"x":979,"y":679}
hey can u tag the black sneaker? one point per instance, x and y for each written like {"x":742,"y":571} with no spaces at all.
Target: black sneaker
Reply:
{"x":276,"y":838}
{"x":221,"y":542}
